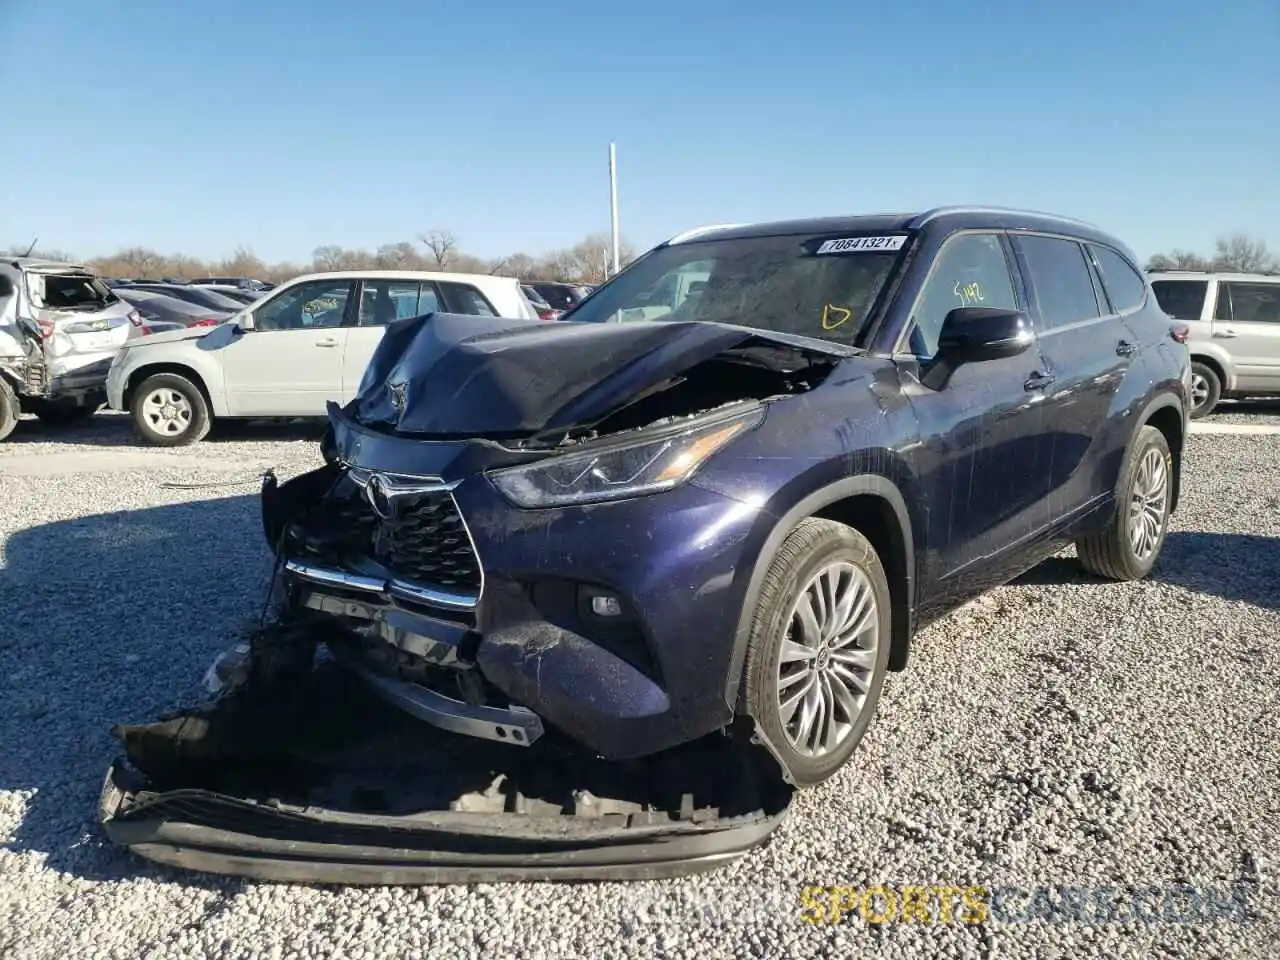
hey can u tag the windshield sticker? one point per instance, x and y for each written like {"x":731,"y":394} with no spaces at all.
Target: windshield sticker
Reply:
{"x":861,"y":245}
{"x":833,"y":316}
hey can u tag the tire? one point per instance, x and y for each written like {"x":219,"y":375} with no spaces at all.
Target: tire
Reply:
{"x":9,"y":409}
{"x":812,"y":551}
{"x":169,"y":411}
{"x":1112,"y":553}
{"x":62,"y":413}
{"x":1206,"y":383}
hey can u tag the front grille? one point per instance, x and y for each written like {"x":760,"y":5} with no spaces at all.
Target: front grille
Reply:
{"x":428,"y":544}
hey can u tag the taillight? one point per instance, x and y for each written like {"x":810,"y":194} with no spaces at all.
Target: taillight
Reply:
{"x":208,"y":322}
{"x":144,"y":329}
{"x":46,"y":328}
{"x":1180,"y":332}
{"x":547,"y":314}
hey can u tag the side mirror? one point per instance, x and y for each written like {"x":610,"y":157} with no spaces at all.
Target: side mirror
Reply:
{"x":245,"y":321}
{"x":975,"y":335}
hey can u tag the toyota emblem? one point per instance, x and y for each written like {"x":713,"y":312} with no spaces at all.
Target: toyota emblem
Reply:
{"x":380,"y":497}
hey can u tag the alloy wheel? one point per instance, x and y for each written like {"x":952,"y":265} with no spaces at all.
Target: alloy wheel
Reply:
{"x":828,"y":659}
{"x":1199,"y":391}
{"x":1148,"y":504}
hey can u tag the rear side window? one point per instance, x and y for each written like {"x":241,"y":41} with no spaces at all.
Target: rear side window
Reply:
{"x":1180,"y":299}
{"x":1250,"y":302}
{"x":1124,"y":285}
{"x":1060,"y":280}
{"x":464,"y":298}
{"x":70,"y":292}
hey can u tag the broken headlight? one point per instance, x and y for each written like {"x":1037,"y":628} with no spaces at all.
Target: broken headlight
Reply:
{"x":618,"y":470}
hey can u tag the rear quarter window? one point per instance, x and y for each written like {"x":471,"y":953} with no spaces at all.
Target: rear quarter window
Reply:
{"x":466,"y":299}
{"x":1181,"y":299}
{"x":1125,"y":286}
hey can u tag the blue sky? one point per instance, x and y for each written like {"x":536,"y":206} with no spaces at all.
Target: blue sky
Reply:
{"x":286,"y":125}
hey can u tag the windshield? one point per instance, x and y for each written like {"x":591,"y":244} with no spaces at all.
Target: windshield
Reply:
{"x":812,"y":286}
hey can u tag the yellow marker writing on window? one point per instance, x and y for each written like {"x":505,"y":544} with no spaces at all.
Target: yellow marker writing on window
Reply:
{"x":969,"y":293}
{"x":833,"y":316}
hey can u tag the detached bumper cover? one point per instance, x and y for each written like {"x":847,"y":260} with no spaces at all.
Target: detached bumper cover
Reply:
{"x":330,"y":785}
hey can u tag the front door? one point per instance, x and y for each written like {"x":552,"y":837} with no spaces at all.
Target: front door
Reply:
{"x":1247,"y":321}
{"x":291,"y":362}
{"x":983,"y":463}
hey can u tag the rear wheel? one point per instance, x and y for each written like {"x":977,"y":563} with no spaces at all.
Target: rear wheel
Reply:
{"x":62,"y":413}
{"x":169,"y":411}
{"x":9,"y":409}
{"x":1129,"y":547}
{"x":1206,"y":390}
{"x":819,"y":648}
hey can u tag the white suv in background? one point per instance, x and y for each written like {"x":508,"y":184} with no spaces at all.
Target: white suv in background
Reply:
{"x":1235,"y":332}
{"x":307,"y":342}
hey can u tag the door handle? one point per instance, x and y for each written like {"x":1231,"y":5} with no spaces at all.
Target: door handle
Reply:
{"x":1225,"y":334}
{"x":1126,"y":349}
{"x":329,"y":342}
{"x":1038,"y":381}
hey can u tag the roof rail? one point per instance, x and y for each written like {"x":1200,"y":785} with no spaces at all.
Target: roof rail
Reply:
{"x":698,"y":231}
{"x":936,"y":212}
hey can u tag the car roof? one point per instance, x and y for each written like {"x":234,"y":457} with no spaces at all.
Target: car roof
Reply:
{"x":39,"y":263}
{"x":403,"y":275}
{"x":952,"y":217}
{"x":1211,"y":275}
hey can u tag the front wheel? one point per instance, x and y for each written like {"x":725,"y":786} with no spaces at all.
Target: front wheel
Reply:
{"x":9,"y":409}
{"x":819,"y":648}
{"x":169,"y":411}
{"x":1129,"y":547}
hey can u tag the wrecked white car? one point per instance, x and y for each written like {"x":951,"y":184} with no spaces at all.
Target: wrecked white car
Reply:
{"x":60,"y":328}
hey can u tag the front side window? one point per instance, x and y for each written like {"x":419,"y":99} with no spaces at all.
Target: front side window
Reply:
{"x":1251,"y":302}
{"x":825,"y":287}
{"x":1124,"y":285}
{"x":1181,"y":299}
{"x":1060,"y":279}
{"x":970,"y":271}
{"x":316,"y":304}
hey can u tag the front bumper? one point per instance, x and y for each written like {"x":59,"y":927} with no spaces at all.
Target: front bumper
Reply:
{"x":319,"y":783}
{"x":671,"y":559}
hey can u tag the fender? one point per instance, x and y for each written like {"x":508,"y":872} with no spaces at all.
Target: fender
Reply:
{"x":859,"y":485}
{"x":1163,"y":399}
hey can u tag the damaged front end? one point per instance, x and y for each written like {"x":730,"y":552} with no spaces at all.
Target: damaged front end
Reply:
{"x":437,"y":697}
{"x":298,"y":773}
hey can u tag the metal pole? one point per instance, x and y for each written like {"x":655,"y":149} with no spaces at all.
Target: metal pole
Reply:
{"x":613,"y":197}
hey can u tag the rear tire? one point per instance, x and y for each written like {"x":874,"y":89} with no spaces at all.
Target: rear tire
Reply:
{"x":169,"y":411}
{"x":819,"y":648}
{"x":1206,"y":390}
{"x":1130,"y":546}
{"x":9,"y":409}
{"x":62,"y":413}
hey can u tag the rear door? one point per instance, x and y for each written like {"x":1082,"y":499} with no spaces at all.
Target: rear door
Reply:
{"x":1247,"y":319}
{"x":382,"y":302}
{"x":1088,"y":349}
{"x":291,"y":362}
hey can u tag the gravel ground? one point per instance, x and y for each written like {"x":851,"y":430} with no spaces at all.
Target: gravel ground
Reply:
{"x":1246,"y":411}
{"x":1058,"y":732}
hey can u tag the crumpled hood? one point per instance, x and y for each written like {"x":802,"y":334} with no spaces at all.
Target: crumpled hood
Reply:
{"x":450,"y":375}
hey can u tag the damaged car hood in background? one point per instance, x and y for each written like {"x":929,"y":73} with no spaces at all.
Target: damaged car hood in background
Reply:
{"x":449,"y":375}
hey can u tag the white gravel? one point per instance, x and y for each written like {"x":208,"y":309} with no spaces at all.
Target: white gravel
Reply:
{"x":1058,"y":732}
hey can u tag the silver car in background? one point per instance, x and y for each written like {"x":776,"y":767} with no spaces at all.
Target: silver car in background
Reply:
{"x":1234,"y":320}
{"x":60,"y":328}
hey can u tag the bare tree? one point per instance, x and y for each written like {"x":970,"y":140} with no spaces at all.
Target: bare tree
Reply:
{"x":242,"y":263}
{"x":1178,"y":260}
{"x":328,"y":257}
{"x":443,"y":247}
{"x":1241,"y":253}
{"x":397,"y":256}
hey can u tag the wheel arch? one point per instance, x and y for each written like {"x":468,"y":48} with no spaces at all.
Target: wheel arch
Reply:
{"x":869,"y":503}
{"x":1166,"y":414}
{"x":187,"y":372}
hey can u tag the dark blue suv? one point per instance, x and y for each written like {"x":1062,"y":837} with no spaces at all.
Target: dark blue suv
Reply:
{"x":728,"y":489}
